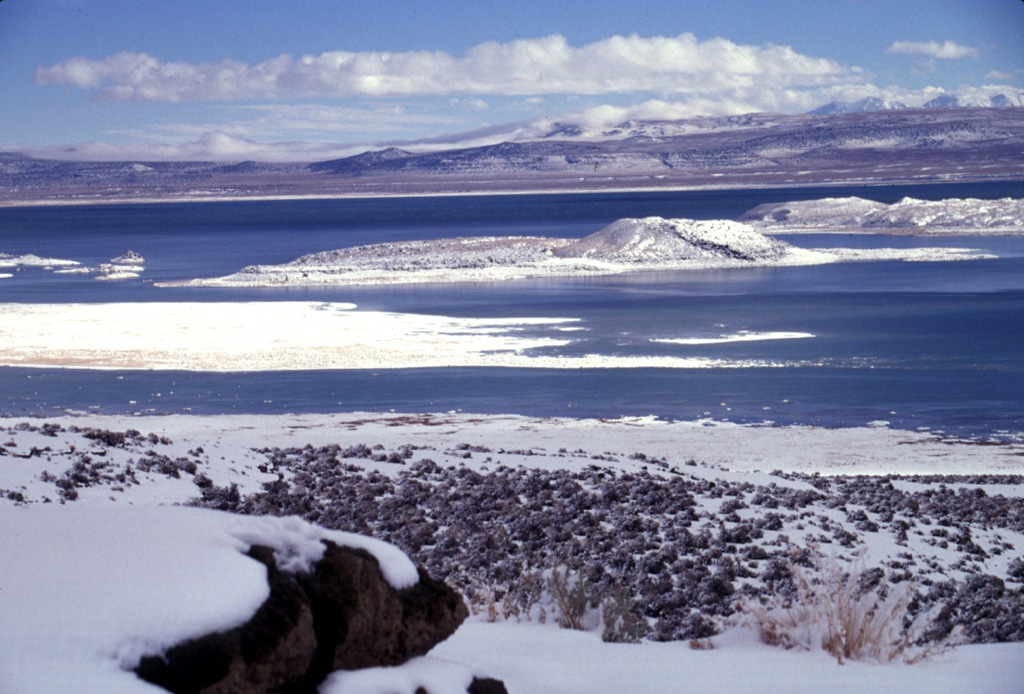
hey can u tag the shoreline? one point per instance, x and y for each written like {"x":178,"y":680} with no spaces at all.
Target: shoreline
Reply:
{"x":189,"y":199}
{"x":725,"y":447}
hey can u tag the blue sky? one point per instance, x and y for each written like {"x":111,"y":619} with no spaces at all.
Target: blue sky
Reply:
{"x":312,"y":79}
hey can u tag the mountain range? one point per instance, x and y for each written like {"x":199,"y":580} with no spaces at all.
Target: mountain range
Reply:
{"x":888,"y":145}
{"x":874,"y":103}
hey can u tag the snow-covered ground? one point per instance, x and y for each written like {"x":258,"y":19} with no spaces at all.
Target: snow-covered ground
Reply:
{"x":627,"y":245}
{"x":98,"y":569}
{"x":543,"y":660}
{"x":953,"y":216}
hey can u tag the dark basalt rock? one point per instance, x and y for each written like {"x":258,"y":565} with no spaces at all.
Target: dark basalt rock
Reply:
{"x":486,"y":685}
{"x":340,"y":615}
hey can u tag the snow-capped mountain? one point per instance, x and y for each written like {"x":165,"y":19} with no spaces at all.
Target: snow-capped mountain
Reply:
{"x":997,"y":101}
{"x":867,"y":105}
{"x":654,"y":130}
{"x":765,"y":142}
{"x":872,"y":104}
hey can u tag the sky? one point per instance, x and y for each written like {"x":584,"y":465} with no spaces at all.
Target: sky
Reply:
{"x":315,"y":79}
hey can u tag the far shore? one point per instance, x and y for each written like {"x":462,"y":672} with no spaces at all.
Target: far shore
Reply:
{"x":541,"y":190}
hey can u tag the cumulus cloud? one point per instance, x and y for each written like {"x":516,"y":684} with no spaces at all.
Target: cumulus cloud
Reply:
{"x":548,"y":65}
{"x":947,"y":50}
{"x":270,"y":120}
{"x":244,"y":139}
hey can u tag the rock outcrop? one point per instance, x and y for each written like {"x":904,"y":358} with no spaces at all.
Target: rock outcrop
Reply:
{"x":340,"y":615}
{"x":654,"y":240}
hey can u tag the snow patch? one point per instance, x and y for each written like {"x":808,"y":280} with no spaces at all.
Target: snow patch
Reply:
{"x":425,"y":674}
{"x":741,"y":336}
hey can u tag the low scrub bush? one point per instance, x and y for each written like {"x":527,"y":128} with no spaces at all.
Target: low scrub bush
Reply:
{"x":848,"y":615}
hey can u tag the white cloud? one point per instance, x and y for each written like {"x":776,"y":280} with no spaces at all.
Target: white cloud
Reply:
{"x":468,"y":104}
{"x":549,"y":65}
{"x":271,"y":120}
{"x":1004,"y":76}
{"x":208,"y":146}
{"x":258,"y":135}
{"x":947,"y":50}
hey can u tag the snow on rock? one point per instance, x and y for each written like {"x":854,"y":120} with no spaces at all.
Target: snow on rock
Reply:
{"x":340,"y":614}
{"x":129,"y":258}
{"x":124,"y":267}
{"x":87,"y":591}
{"x":909,"y":215}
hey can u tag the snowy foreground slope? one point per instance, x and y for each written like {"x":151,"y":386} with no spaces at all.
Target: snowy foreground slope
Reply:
{"x":627,"y":245}
{"x":685,"y":516}
{"x":907,"y":216}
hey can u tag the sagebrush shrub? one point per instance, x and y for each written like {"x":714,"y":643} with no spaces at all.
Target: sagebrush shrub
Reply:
{"x":847,"y":614}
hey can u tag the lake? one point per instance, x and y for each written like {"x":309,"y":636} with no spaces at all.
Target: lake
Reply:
{"x":919,"y":345}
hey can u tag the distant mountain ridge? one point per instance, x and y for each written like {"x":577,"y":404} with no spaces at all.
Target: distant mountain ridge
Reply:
{"x":702,"y":144}
{"x":874,"y":103}
{"x":869,"y":104}
{"x":887,"y":145}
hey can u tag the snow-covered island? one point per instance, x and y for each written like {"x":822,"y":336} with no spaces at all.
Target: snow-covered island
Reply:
{"x":953,"y":216}
{"x":627,"y":245}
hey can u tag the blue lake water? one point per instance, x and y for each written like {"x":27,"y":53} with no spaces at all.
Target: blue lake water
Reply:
{"x":934,"y":345}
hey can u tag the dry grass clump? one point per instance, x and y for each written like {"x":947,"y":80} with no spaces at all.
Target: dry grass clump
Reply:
{"x":567,"y":598}
{"x":833,"y":609}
